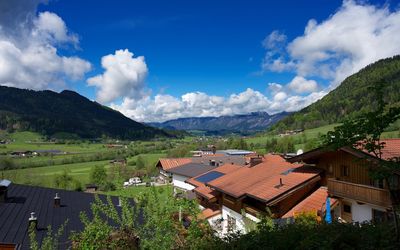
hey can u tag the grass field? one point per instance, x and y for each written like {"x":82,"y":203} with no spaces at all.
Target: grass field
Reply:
{"x":44,"y":176}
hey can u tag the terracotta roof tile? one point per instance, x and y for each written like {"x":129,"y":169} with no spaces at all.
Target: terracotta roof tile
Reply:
{"x":262,"y":181}
{"x":168,"y":163}
{"x":205,"y":191}
{"x":208,"y":213}
{"x":313,"y":203}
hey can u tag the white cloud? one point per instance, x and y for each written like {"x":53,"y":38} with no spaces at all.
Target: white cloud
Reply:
{"x":124,"y":76}
{"x":356,"y":35}
{"x":198,"y":104}
{"x":28,"y":48}
{"x":301,"y":85}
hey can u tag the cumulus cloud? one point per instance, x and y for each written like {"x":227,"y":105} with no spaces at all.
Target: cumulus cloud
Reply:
{"x":164,"y":107}
{"x":123,"y":76}
{"x":301,"y":85}
{"x":356,"y":35}
{"x":29,"y":44}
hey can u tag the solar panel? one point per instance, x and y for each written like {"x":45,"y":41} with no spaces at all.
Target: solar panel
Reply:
{"x":209,"y":176}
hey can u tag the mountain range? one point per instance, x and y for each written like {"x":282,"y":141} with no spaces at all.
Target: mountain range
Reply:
{"x":67,"y":114}
{"x":253,"y":122}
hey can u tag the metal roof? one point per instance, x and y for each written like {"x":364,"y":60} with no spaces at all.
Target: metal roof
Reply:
{"x":22,"y":200}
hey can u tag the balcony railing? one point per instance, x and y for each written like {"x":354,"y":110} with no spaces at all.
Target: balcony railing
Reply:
{"x":360,"y":193}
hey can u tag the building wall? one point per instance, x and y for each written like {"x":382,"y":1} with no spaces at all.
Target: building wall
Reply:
{"x":358,"y":169}
{"x":240,"y":226}
{"x":360,"y":212}
{"x":179,"y":182}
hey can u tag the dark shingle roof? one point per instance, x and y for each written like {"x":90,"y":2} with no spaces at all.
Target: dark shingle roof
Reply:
{"x":191,"y":169}
{"x":22,"y":200}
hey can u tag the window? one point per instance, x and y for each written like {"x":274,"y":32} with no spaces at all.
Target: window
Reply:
{"x":231,"y":223}
{"x":379,"y":216}
{"x":344,"y":170}
{"x":347,"y":208}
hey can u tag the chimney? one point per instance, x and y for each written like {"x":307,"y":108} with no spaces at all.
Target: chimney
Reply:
{"x":4,"y":184}
{"x":33,"y":222}
{"x":255,"y":160}
{"x":280,"y":182}
{"x":57,"y":201}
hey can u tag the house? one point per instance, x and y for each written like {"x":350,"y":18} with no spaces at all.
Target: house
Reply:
{"x":165,"y":164}
{"x":347,"y":178}
{"x":50,"y":207}
{"x":21,"y":153}
{"x":234,"y":197}
{"x":182,"y":173}
{"x":91,"y":188}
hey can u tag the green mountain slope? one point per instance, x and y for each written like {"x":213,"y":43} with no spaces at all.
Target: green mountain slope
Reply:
{"x":50,"y":113}
{"x":351,"y":98}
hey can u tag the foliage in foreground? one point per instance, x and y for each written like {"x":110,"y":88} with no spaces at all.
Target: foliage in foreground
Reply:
{"x":154,"y":223}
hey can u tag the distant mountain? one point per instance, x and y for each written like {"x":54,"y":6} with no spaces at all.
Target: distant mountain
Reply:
{"x":256,"y":121}
{"x":67,"y":113}
{"x":352,"y":97}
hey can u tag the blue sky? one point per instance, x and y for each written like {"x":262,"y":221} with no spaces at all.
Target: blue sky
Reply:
{"x":200,"y":58}
{"x":209,"y":46}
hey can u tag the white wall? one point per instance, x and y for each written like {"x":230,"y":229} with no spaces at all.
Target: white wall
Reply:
{"x":179,"y":181}
{"x":240,"y":226}
{"x":362,"y":213}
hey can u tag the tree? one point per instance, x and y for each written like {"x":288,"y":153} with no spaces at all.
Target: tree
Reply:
{"x":98,"y":175}
{"x":364,"y":132}
{"x":63,"y":180}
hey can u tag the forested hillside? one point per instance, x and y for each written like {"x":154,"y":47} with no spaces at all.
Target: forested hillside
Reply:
{"x":352,"y":97}
{"x":67,"y":113}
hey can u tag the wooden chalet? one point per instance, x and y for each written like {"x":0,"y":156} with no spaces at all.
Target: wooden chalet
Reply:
{"x":345,"y":173}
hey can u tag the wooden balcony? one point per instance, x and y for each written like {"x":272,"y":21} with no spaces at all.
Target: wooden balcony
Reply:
{"x":360,"y":193}
{"x":251,"y":210}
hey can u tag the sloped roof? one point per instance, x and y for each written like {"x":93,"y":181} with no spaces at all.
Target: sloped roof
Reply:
{"x":168,"y":163}
{"x":23,"y":200}
{"x":390,"y":150}
{"x":263,"y":180}
{"x":208,"y":213}
{"x":313,"y":203}
{"x":191,"y":169}
{"x":205,"y":191}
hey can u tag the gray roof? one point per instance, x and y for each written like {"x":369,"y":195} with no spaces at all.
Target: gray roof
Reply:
{"x":22,"y":200}
{"x":191,"y":169}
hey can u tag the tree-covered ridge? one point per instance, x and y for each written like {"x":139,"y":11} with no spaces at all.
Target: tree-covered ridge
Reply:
{"x":69,"y":113}
{"x":351,"y":98}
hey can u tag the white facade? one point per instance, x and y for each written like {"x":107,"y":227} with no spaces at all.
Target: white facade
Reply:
{"x":240,"y":221}
{"x":179,"y":182}
{"x":361,"y":212}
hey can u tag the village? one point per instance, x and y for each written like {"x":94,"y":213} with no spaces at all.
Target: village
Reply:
{"x":233,"y":188}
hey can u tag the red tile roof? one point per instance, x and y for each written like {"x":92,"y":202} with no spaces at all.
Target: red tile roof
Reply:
{"x":263,"y":180}
{"x":208,"y":213}
{"x":391,"y":148}
{"x":168,"y":163}
{"x":313,"y":203}
{"x":205,"y":191}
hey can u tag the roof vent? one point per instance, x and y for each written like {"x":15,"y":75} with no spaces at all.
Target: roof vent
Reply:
{"x":280,"y":183}
{"x":33,"y":221}
{"x":57,"y":201}
{"x":4,"y":184}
